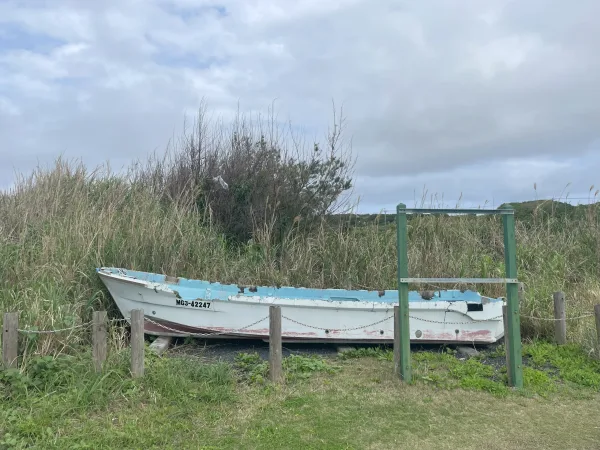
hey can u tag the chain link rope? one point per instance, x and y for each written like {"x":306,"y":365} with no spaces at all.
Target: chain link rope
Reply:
{"x":444,"y":322}
{"x":337,"y":329}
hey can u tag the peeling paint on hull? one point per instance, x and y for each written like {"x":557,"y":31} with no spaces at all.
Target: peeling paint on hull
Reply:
{"x":477,"y":337}
{"x":346,"y":317}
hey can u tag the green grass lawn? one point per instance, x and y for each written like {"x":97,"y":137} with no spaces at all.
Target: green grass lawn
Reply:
{"x":351,"y":401}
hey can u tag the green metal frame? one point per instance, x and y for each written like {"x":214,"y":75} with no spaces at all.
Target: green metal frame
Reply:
{"x":512,"y":286}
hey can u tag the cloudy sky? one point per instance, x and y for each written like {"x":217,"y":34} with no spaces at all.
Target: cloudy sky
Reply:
{"x":467,"y":99}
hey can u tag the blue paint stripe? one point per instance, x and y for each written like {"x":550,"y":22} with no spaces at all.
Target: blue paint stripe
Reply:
{"x":192,"y":289}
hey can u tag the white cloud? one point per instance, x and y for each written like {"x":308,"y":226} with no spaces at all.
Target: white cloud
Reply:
{"x":504,"y":54}
{"x":445,"y":96}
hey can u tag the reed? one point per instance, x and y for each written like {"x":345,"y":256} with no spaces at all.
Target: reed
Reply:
{"x":59,"y":223}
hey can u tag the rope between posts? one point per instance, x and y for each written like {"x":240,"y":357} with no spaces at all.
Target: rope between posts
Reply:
{"x":87,"y":324}
{"x":444,"y":322}
{"x":60,"y":330}
{"x":204,"y":334}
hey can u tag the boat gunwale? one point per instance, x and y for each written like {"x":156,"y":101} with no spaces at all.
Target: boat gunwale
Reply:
{"x":367,"y":305}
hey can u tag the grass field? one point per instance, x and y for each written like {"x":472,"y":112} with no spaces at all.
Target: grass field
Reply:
{"x":352,"y":401}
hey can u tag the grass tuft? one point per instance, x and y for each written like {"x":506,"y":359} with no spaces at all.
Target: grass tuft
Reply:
{"x":254,"y":369}
{"x":569,"y":362}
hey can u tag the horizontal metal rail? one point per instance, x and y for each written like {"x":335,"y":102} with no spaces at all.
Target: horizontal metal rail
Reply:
{"x":460,"y":280}
{"x":455,"y":211}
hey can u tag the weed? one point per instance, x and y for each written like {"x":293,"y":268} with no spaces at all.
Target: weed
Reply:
{"x":296,"y":367}
{"x":570,"y":361}
{"x":301,"y":367}
{"x":13,"y":384}
{"x":550,"y":367}
{"x":483,"y":384}
{"x":538,"y":381}
{"x":252,"y":367}
{"x":498,"y":352}
{"x":179,"y":379}
{"x":375,"y":352}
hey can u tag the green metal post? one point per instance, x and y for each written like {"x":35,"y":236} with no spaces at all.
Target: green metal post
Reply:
{"x":403,"y":319}
{"x":512,"y":296}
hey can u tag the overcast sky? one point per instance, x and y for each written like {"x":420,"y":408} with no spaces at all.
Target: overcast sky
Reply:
{"x":474,"y":98}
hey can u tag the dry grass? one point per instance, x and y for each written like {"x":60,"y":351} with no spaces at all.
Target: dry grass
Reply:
{"x":59,"y":224}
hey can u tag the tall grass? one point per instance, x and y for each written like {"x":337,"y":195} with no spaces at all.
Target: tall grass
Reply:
{"x":58,"y":224}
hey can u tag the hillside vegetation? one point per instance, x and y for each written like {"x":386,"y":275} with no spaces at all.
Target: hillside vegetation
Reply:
{"x":58,"y":224}
{"x":528,"y":213}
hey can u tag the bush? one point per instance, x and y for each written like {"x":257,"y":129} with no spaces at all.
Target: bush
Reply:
{"x":250,"y":177}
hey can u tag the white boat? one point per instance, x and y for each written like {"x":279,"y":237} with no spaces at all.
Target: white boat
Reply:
{"x":185,"y":307}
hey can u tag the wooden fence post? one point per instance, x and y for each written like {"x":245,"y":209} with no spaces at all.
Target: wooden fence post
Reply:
{"x":275,"y":348}
{"x":137,"y":343}
{"x":396,"y":341}
{"x":10,"y":340}
{"x":597,"y":313}
{"x":506,"y":346}
{"x":560,"y":316}
{"x":99,"y":336}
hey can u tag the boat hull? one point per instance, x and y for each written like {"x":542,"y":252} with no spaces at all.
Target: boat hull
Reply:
{"x":244,"y":315}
